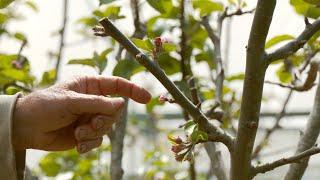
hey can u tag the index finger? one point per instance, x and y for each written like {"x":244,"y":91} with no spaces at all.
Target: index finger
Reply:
{"x":123,"y":87}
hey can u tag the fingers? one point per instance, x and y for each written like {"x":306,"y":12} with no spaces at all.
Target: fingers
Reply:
{"x":123,"y":87}
{"x":97,"y":127}
{"x":92,"y":104}
{"x":86,"y":146}
{"x":112,"y":85}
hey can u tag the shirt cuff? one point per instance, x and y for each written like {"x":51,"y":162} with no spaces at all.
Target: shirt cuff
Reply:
{"x":8,"y":157}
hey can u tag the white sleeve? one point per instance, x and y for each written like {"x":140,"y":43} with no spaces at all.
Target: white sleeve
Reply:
{"x":8,"y":165}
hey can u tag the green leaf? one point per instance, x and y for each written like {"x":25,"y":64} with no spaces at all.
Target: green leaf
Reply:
{"x":48,"y":78}
{"x":190,"y":126}
{"x":112,"y":12}
{"x":143,"y":44}
{"x":162,"y":6}
{"x":206,"y":56}
{"x":207,"y":6}
{"x":277,"y":39}
{"x":49,"y":165}
{"x":198,"y":135}
{"x":5,"y":3}
{"x":11,"y":90}
{"x":168,"y":63}
{"x":20,"y":36}
{"x":101,"y":60}
{"x":168,"y":47}
{"x":32,"y":6}
{"x":234,"y":77}
{"x":85,"y":61}
{"x":306,"y":9}
{"x":106,"y":1}
{"x":88,"y":21}
{"x":283,"y":75}
{"x":154,"y":102}
{"x":126,"y":68}
{"x":3,"y":18}
{"x":314,"y":2}
{"x":17,"y":75}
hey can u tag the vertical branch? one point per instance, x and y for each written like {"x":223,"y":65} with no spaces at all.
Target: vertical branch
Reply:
{"x":62,"y":38}
{"x":183,"y":42}
{"x":307,"y":140}
{"x":116,"y":138}
{"x":118,"y":134}
{"x":252,"y":90}
{"x":217,"y":164}
{"x":184,"y":61}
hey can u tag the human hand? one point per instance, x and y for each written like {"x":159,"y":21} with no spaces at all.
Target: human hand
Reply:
{"x":74,"y":113}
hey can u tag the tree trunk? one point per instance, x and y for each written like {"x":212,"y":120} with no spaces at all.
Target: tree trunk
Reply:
{"x":252,"y":91}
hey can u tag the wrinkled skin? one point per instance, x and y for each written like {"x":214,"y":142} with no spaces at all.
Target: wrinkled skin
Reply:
{"x":72,"y":114}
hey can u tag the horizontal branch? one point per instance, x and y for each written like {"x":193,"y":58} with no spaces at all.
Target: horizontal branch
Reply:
{"x":239,"y":12}
{"x":214,"y":133}
{"x":294,"y":45}
{"x":284,"y":161}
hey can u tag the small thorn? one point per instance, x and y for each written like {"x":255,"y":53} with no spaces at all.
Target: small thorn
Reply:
{"x":306,"y":21}
{"x":101,"y":34}
{"x":98,"y":29}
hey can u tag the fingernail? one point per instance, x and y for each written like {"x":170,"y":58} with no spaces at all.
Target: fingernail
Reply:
{"x":83,"y":133}
{"x":100,"y":123}
{"x":83,"y":148}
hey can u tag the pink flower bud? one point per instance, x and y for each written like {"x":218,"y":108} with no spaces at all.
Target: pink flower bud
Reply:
{"x":16,"y":64}
{"x":158,"y":41}
{"x":179,"y":157}
{"x":162,"y":98}
{"x":178,"y":148}
{"x":178,"y":140}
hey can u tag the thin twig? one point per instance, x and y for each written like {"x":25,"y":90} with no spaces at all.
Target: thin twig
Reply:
{"x":239,"y":12}
{"x":21,"y":59}
{"x":308,"y":60}
{"x":294,"y":45}
{"x":293,"y":159}
{"x":217,"y":163}
{"x":62,"y":39}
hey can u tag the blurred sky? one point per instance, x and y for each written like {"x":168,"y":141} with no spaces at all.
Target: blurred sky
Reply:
{"x":40,"y":26}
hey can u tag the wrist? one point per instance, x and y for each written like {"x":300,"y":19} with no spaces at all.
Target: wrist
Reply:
{"x":18,"y":135}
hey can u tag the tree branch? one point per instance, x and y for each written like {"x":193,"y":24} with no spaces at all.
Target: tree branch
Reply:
{"x":214,"y":133}
{"x":62,"y":39}
{"x":294,"y":45}
{"x":290,"y":160}
{"x":307,"y":139}
{"x":217,"y":162}
{"x":252,"y":90}
{"x":116,"y":139}
{"x":215,"y":38}
{"x":118,"y":134}
{"x":239,"y":12}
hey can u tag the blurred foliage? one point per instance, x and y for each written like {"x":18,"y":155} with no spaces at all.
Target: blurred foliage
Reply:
{"x":15,"y":74}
